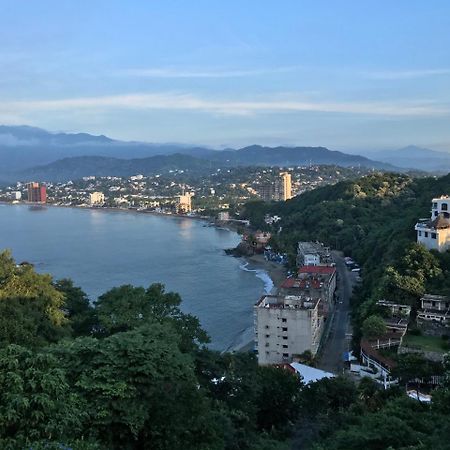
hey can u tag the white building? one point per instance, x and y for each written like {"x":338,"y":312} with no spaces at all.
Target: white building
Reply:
{"x":434,"y":308}
{"x":313,"y":254}
{"x":434,"y":233}
{"x":96,"y":198}
{"x":286,"y":326}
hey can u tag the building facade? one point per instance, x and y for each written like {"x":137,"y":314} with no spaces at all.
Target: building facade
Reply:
{"x":37,"y":192}
{"x":434,"y":233}
{"x":313,"y":254}
{"x":96,"y":198}
{"x":286,"y":326}
{"x":184,"y":203}
{"x":279,"y":190}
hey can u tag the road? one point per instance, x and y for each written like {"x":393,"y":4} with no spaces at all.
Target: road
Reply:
{"x":337,"y":340}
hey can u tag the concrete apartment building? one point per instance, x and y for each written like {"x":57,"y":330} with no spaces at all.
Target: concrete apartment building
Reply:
{"x":96,"y":198}
{"x":286,"y":326}
{"x":434,"y":233}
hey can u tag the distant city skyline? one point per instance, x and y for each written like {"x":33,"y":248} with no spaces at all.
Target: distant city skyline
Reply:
{"x":348,"y":76}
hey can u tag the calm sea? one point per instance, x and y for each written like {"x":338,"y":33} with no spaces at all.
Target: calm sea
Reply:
{"x":102,"y":249}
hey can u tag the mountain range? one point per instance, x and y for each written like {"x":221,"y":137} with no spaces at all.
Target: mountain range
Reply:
{"x":33,"y":153}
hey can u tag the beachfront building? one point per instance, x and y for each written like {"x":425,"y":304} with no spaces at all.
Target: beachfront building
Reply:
{"x":286,"y":326}
{"x":312,"y":281}
{"x":96,"y":198}
{"x":434,"y":233}
{"x":184,"y":203}
{"x":313,"y":254}
{"x":37,"y":192}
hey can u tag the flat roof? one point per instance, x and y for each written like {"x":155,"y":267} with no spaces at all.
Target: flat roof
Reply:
{"x":290,"y":302}
{"x":323,"y":270}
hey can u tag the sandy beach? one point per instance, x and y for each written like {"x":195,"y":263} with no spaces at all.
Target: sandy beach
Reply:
{"x":276,"y":272}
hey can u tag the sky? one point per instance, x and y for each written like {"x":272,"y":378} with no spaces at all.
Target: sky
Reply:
{"x":351,"y":75}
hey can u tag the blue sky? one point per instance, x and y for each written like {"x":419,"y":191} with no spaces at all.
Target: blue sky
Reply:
{"x":350,"y":75}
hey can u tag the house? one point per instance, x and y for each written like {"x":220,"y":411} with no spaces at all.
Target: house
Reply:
{"x":434,"y":310}
{"x":313,"y":254}
{"x":434,"y":233}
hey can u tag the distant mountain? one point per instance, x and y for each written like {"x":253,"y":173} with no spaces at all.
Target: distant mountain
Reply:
{"x":82,"y":166}
{"x":23,"y":147}
{"x":288,"y":156}
{"x":413,"y":157}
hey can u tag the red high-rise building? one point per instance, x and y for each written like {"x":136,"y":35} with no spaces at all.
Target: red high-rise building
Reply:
{"x":37,"y":193}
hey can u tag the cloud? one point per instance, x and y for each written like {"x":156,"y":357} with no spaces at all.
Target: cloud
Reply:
{"x":189,"y":102}
{"x":172,"y":72}
{"x":406,"y":74}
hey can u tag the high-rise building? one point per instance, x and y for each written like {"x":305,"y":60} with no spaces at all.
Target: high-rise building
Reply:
{"x":37,"y":192}
{"x":279,"y":190}
{"x":286,"y":186}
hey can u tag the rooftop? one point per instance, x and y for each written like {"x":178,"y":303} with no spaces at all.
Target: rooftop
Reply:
{"x":325,"y":270}
{"x":287,"y":302}
{"x":309,"y":374}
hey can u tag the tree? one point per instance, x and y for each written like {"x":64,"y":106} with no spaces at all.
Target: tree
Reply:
{"x":373,"y":327}
{"x":141,"y":390}
{"x":79,"y":311}
{"x":25,"y":283}
{"x":278,"y":398}
{"x":127,"y":307}
{"x":36,"y":403}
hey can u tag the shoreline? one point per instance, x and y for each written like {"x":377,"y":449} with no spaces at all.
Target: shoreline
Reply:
{"x":276,"y":273}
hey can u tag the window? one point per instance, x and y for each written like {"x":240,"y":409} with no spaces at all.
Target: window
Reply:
{"x":267,"y":344}
{"x":284,"y":338}
{"x":284,"y":320}
{"x":444,"y":207}
{"x":267,"y":327}
{"x":285,"y":355}
{"x":433,"y":235}
{"x":420,"y":233}
{"x":284,"y":329}
{"x":426,"y":233}
{"x":434,"y":205}
{"x":285,"y":346}
{"x":267,"y":335}
{"x":435,"y":214}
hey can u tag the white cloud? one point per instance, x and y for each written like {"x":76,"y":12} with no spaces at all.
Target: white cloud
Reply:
{"x":189,"y":102}
{"x":173,"y":72}
{"x":406,"y":74}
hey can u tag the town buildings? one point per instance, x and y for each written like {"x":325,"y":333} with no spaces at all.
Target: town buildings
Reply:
{"x":37,"y":192}
{"x":96,"y":198}
{"x":286,"y":326}
{"x":292,"y":321}
{"x":434,"y":233}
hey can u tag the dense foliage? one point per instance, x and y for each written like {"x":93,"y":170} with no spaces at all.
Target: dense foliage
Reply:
{"x":129,"y":372}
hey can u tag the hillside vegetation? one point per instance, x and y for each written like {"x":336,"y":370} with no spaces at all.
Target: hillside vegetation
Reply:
{"x":372,"y":220}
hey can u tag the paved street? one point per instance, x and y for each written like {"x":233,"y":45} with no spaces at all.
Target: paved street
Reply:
{"x":339,"y":333}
